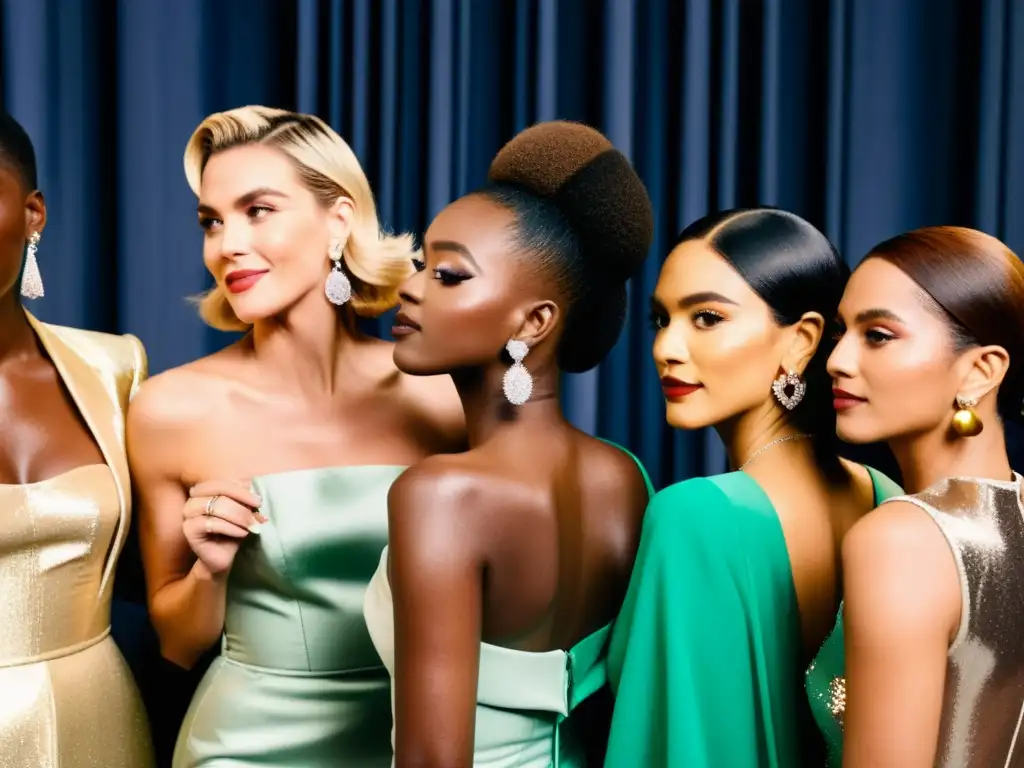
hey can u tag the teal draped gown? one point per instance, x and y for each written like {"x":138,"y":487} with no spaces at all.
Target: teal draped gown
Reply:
{"x":705,"y":657}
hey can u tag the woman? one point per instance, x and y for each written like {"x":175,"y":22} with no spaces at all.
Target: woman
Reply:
{"x":931,"y":360}
{"x":495,"y":633}
{"x":736,"y":581}
{"x":68,"y":697}
{"x":263,"y":470}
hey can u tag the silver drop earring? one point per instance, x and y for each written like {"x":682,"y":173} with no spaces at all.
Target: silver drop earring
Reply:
{"x":517,"y":383}
{"x":338,"y":287}
{"x":789,"y":402}
{"x":31,"y":279}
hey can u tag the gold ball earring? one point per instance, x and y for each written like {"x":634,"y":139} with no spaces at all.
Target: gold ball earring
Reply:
{"x":965,"y":421}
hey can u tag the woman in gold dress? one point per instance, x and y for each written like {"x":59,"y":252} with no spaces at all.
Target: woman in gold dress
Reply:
{"x":67,"y":697}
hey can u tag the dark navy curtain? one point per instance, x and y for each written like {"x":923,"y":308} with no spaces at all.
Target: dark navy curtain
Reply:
{"x":868,"y":117}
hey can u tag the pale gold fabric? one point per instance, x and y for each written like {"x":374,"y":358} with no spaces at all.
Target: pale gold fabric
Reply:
{"x":983,"y":700}
{"x":67,"y":698}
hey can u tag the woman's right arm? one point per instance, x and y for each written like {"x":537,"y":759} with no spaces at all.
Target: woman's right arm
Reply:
{"x":185,"y":593}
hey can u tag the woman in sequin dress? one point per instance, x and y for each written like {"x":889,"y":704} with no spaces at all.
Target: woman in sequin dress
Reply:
{"x":931,"y":359}
{"x":67,"y":697}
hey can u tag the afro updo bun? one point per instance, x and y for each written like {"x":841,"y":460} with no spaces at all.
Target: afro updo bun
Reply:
{"x":582,"y":208}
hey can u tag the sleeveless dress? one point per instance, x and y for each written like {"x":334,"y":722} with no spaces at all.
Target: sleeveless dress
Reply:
{"x":298,"y":682}
{"x":983,"y":700}
{"x":523,"y":699}
{"x":67,"y":697}
{"x":705,"y":656}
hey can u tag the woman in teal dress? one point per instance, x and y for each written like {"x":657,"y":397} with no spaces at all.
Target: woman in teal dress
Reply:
{"x":736,"y":582}
{"x":506,"y":564}
{"x":263,"y":470}
{"x":927,"y":653}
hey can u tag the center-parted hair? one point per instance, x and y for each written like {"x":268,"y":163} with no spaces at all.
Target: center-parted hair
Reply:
{"x":976,"y":285}
{"x":376,"y":262}
{"x":795,"y":269}
{"x":582,"y":213}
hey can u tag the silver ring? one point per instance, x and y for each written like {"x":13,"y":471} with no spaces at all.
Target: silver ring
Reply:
{"x":209,"y":505}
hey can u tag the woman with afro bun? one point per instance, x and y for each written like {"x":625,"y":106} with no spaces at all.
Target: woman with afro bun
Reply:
{"x":506,"y":564}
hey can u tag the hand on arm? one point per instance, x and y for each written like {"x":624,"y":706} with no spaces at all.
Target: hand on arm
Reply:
{"x":185,"y":593}
{"x":436,"y":575}
{"x":901,"y":608}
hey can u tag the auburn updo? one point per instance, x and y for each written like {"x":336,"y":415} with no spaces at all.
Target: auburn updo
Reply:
{"x":375,"y":262}
{"x":583,"y":213}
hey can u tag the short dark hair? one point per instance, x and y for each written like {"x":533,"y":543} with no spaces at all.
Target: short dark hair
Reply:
{"x":976,"y":285}
{"x":17,"y":152}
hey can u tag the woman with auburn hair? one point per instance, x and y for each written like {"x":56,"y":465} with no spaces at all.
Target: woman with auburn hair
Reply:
{"x":931,"y":360}
{"x":263,"y":470}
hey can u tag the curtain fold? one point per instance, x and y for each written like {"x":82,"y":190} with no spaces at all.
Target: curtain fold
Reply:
{"x":867,"y":117}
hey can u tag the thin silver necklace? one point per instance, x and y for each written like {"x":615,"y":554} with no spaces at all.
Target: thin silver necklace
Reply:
{"x":773,"y":443}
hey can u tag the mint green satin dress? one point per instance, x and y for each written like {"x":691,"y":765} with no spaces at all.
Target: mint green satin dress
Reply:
{"x":298,"y":682}
{"x":524,"y":699}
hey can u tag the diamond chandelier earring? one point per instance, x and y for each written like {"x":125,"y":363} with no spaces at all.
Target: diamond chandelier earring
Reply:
{"x":966,"y":422}
{"x":338,"y":287}
{"x":791,"y":379}
{"x":31,"y":279}
{"x":517,"y":383}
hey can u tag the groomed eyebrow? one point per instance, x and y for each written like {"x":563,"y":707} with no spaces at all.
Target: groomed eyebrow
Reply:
{"x":704,"y":297}
{"x":454,"y":247}
{"x":247,"y":199}
{"x":870,"y":315}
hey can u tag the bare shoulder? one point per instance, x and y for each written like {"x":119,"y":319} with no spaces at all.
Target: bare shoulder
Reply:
{"x":898,"y":568}
{"x":431,"y":508}
{"x":177,"y":401}
{"x":611,"y":468}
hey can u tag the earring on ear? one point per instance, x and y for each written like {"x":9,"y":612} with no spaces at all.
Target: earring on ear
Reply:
{"x":517,"y":382}
{"x":966,"y":422}
{"x":791,"y":379}
{"x":338,"y":287}
{"x":31,"y":279}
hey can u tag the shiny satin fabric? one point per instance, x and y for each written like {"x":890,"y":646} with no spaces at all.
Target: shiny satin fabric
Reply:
{"x":983,"y":701}
{"x":299,"y":682}
{"x":67,"y":698}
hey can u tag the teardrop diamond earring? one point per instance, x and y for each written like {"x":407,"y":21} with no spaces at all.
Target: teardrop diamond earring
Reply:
{"x":338,"y":287}
{"x":517,"y":382}
{"x":31,"y":279}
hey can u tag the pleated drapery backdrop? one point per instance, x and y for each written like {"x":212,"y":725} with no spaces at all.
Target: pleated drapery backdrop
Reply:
{"x":866,"y":116}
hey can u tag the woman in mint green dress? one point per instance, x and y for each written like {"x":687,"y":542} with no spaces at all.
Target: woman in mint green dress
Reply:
{"x":736,"y":582}
{"x":263,"y":470}
{"x":506,"y":564}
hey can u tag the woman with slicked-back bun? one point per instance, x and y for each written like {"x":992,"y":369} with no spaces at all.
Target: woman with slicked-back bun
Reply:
{"x":506,"y":564}
{"x":263,"y":470}
{"x":927,"y":650}
{"x":737,"y":580}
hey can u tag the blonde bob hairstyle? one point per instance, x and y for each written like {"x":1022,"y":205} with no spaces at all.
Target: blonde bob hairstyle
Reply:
{"x":375,"y":261}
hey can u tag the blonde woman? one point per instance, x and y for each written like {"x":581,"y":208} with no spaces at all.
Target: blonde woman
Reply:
{"x":263,"y":470}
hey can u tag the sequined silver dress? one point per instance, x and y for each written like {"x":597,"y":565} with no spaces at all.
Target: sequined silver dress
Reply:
{"x":983,"y":701}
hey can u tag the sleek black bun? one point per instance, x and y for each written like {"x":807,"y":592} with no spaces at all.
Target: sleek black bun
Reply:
{"x":582,"y":209}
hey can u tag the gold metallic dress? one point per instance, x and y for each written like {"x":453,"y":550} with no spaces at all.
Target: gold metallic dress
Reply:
{"x":983,"y":701}
{"x":67,"y":697}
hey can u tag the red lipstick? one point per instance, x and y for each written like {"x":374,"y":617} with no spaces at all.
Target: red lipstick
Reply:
{"x":675,"y":389}
{"x":241,"y":280}
{"x":844,"y":401}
